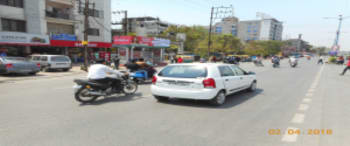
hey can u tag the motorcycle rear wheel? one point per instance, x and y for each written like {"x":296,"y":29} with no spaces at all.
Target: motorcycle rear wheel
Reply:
{"x":80,"y":96}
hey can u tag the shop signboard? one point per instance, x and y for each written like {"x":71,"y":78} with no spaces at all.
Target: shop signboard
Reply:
{"x":148,"y":41}
{"x":23,"y":38}
{"x":160,"y":42}
{"x":123,"y":40}
{"x":66,"y":37}
{"x":61,"y":43}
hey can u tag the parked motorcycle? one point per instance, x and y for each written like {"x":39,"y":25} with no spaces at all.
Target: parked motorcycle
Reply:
{"x":276,"y":65}
{"x":87,"y":91}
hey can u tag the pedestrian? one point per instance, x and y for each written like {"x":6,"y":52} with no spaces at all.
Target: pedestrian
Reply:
{"x":320,"y":60}
{"x":180,"y":60}
{"x":3,"y":54}
{"x":347,"y":67}
{"x":116,"y":62}
{"x":214,"y":59}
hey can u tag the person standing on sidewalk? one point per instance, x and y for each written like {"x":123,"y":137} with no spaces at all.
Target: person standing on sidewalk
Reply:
{"x":347,"y":67}
{"x":116,"y":62}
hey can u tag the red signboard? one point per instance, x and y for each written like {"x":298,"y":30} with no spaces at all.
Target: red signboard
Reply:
{"x":62,"y":43}
{"x":145,"y":40}
{"x":123,"y":40}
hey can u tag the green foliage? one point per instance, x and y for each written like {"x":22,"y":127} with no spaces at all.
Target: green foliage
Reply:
{"x":264,"y":48}
{"x":220,"y":43}
{"x":332,"y":59}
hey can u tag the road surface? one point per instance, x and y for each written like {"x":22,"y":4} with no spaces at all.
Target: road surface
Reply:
{"x":305,"y":99}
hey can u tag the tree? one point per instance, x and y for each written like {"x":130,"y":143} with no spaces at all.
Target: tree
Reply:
{"x":226,"y":43}
{"x":264,"y":48}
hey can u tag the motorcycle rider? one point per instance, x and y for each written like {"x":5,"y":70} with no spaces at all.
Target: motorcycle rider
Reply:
{"x":293,"y":60}
{"x":101,"y":73}
{"x":275,"y":60}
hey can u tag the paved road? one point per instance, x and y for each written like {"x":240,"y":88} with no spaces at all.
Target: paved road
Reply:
{"x":44,"y":112}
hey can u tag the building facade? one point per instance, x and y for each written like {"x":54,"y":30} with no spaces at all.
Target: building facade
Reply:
{"x":54,"y":19}
{"x":265,"y":29}
{"x":146,"y":26}
{"x":227,"y":25}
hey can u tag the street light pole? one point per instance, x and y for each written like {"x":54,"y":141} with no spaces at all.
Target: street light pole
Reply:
{"x":210,"y":29}
{"x":336,"y":41}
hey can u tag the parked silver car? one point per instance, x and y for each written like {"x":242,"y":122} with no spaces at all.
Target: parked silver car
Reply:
{"x":52,"y":62}
{"x":18,"y":65}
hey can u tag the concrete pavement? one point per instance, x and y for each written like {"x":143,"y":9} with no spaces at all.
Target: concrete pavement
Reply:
{"x":44,"y":112}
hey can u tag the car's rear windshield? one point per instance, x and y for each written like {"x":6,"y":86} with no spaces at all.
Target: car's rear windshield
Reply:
{"x":59,"y":59}
{"x":184,"y":71}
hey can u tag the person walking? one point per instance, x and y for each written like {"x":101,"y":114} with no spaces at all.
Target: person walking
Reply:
{"x":347,"y":67}
{"x":320,"y":60}
{"x":180,"y":60}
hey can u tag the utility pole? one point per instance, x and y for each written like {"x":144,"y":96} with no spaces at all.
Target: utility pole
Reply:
{"x":124,"y":23}
{"x":86,"y":12}
{"x":218,"y":13}
{"x":210,"y":29}
{"x":336,"y":46}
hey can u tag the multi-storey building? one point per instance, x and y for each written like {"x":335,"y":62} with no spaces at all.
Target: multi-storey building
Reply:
{"x":28,"y":25}
{"x":265,"y":29}
{"x":146,"y":26}
{"x":228,"y":25}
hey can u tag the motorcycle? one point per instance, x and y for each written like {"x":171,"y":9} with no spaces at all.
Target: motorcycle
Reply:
{"x":258,"y":63}
{"x":275,"y":64}
{"x":293,"y":64}
{"x":87,"y":91}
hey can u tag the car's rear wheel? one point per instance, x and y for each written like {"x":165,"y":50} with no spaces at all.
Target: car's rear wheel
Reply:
{"x":219,"y":99}
{"x":253,"y":87}
{"x":161,"y":98}
{"x":33,"y":73}
{"x":66,"y":70}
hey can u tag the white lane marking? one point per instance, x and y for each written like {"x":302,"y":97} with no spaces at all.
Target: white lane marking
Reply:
{"x":290,"y":137}
{"x":298,"y":118}
{"x":309,"y":94}
{"x":303,"y":107}
{"x":307,"y":100}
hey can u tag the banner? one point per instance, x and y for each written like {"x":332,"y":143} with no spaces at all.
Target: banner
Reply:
{"x":66,"y":37}
{"x":159,"y":42}
{"x":61,"y":43}
{"x":123,"y":40}
{"x":23,"y":38}
{"x":145,"y":40}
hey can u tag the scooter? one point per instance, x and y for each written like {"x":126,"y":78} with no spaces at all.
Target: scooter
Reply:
{"x":293,"y":64}
{"x":86,"y":91}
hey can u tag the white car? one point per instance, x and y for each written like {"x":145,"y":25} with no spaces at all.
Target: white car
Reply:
{"x":204,"y":81}
{"x":52,"y":62}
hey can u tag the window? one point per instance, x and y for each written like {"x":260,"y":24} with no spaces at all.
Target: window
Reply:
{"x":238,"y":71}
{"x":13,"y":3}
{"x":185,"y":71}
{"x":44,"y":58}
{"x":226,"y":71}
{"x":94,"y":32}
{"x":59,"y":59}
{"x":93,"y":13}
{"x":36,"y":58}
{"x":13,"y":25}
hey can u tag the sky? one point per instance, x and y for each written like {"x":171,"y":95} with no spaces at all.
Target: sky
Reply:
{"x":306,"y":17}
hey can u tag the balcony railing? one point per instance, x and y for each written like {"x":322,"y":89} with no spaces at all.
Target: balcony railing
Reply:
{"x":58,"y":15}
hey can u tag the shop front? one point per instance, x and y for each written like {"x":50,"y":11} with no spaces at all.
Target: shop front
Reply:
{"x":19,"y":44}
{"x":149,"y":48}
{"x":75,"y":49}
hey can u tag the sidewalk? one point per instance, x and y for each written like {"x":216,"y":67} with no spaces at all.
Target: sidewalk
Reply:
{"x":9,"y":78}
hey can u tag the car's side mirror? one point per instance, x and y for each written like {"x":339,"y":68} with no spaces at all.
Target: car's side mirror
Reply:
{"x":251,"y":73}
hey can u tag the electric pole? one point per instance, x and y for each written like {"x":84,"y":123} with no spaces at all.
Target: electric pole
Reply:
{"x":218,"y":13}
{"x":336,"y":46}
{"x":86,"y":11}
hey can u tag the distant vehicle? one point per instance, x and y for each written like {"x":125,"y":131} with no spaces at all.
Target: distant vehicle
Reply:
{"x":202,"y":81}
{"x":19,"y":65}
{"x":52,"y":62}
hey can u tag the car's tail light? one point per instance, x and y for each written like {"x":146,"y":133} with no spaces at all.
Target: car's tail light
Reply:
{"x":9,"y":65}
{"x":154,"y":80}
{"x":209,"y":83}
{"x":38,"y":64}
